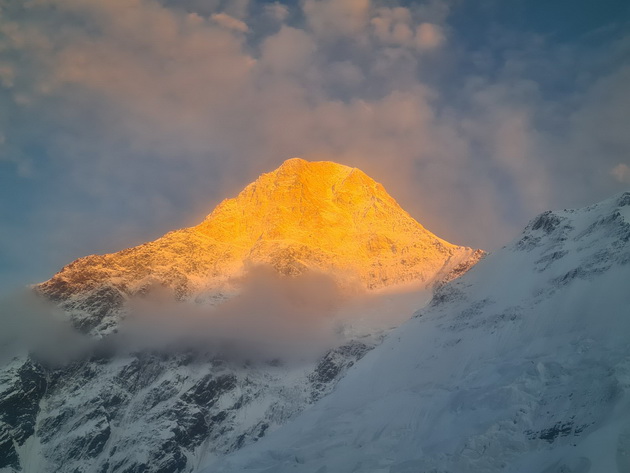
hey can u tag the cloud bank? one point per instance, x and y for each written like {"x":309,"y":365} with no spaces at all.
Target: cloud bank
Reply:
{"x":270,"y":317}
{"x":122,"y":119}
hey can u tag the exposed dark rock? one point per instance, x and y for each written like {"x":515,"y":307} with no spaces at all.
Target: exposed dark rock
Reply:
{"x":444,"y":294}
{"x":8,"y":455}
{"x":19,"y":400}
{"x":161,"y":393}
{"x":207,"y":391}
{"x":49,"y":426}
{"x":191,"y":427}
{"x":560,"y":429}
{"x":460,"y":269}
{"x":624,"y":199}
{"x":549,"y":259}
{"x":333,"y":364}
{"x":547,"y":222}
{"x":140,"y":373}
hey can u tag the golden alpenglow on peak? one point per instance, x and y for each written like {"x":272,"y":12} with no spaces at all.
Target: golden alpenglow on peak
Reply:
{"x":320,"y":216}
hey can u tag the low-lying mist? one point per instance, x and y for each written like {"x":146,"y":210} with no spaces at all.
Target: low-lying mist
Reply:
{"x":271,"y":317}
{"x":30,"y":324}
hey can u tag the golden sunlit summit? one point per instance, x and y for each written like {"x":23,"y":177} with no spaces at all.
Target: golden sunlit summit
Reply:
{"x":303,"y":216}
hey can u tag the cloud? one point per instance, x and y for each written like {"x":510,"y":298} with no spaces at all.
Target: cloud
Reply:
{"x":429,"y":36}
{"x":345,"y":74}
{"x":32,"y":325}
{"x":130,"y":118}
{"x":277,"y":11}
{"x":271,"y":316}
{"x":290,"y":50}
{"x":396,"y":26}
{"x":621,"y":172}
{"x":229,"y":22}
{"x":7,"y":75}
{"x":331,"y":18}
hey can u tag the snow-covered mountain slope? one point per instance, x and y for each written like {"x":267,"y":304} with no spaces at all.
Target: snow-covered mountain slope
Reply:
{"x":521,"y":365}
{"x":303,"y":216}
{"x":152,"y":411}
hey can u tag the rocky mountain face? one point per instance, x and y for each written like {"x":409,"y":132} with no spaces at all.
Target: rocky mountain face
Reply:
{"x":521,"y":365}
{"x":303,"y":216}
{"x":121,"y":407}
{"x":152,"y":411}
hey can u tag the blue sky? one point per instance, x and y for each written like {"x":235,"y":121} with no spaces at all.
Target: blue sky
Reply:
{"x":123,"y":119}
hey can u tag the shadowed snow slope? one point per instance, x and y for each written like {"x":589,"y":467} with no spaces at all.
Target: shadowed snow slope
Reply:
{"x":521,"y":365}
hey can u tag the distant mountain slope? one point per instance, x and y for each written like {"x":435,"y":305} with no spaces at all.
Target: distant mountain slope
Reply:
{"x":522,"y":365}
{"x":303,"y":216}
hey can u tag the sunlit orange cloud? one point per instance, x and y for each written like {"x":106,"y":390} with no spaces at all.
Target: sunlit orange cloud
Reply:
{"x":337,"y":17}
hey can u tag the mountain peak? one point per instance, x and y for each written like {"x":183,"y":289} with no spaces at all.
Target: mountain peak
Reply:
{"x":320,"y":177}
{"x":297,"y":164}
{"x":303,"y":216}
{"x":327,"y":216}
{"x":315,"y":181}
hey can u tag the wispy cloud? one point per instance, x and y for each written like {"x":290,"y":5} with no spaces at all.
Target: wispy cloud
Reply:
{"x":621,"y":172}
{"x":230,"y":22}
